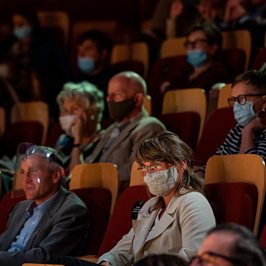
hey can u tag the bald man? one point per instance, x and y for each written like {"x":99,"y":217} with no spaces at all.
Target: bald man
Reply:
{"x":126,"y":94}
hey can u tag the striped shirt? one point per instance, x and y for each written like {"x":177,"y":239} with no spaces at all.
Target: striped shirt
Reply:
{"x":232,"y":144}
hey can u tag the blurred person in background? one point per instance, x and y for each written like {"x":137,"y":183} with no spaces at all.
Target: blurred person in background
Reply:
{"x":93,"y":59}
{"x":81,"y":106}
{"x":28,"y":52}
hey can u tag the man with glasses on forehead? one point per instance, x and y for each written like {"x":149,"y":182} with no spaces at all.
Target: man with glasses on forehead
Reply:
{"x":52,"y":221}
{"x":230,"y":244}
{"x":249,"y":104}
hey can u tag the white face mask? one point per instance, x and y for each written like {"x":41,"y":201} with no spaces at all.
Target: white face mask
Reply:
{"x":65,"y":122}
{"x":161,"y":183}
{"x":244,"y":113}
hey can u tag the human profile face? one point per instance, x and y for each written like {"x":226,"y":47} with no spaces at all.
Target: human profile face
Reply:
{"x":38,"y":182}
{"x":72,"y":107}
{"x":218,"y":243}
{"x":20,"y":21}
{"x":243,"y":88}
{"x":119,"y":89}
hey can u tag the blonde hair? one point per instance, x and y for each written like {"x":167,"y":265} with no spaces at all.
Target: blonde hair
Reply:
{"x":169,"y":147}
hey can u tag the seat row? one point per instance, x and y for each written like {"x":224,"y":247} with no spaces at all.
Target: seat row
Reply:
{"x":235,"y":185}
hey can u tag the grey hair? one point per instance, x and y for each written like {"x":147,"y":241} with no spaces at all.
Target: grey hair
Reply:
{"x":85,"y":93}
{"x":48,"y":153}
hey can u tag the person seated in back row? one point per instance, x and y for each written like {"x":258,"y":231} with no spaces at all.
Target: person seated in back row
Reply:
{"x":249,"y":105}
{"x":126,"y":94}
{"x":93,"y":58}
{"x":52,"y":221}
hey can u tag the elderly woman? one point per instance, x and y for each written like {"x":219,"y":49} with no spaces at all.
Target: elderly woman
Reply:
{"x":173,"y":222}
{"x":81,"y":107}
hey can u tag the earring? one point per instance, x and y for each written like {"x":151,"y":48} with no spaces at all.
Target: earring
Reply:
{"x":263,"y":109}
{"x":92,"y":117}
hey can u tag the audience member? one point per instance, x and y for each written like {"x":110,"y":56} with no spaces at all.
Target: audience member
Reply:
{"x":173,"y":222}
{"x":230,"y":244}
{"x":249,"y":102}
{"x":203,"y":70}
{"x":236,"y":18}
{"x":126,"y":94}
{"x":162,"y":260}
{"x":51,"y":222}
{"x":28,"y":52}
{"x":81,"y":106}
{"x":257,"y":12}
{"x":93,"y":60}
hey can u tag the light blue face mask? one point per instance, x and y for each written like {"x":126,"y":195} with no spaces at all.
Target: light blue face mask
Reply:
{"x":197,"y":58}
{"x":22,"y":33}
{"x":86,"y":64}
{"x":244,"y":113}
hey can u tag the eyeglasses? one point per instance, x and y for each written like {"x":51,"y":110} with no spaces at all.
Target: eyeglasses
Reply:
{"x":213,"y":258}
{"x":152,"y":166}
{"x":194,"y":44}
{"x":241,"y":99}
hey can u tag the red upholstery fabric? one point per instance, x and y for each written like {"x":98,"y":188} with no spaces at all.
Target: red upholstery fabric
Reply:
{"x":98,"y":202}
{"x":27,"y":131}
{"x":53,"y":135}
{"x":185,"y":125}
{"x":233,"y":202}
{"x":130,"y":65}
{"x":6,"y":204}
{"x":260,"y":59}
{"x":121,"y":221}
{"x":234,"y":60}
{"x":164,"y":69}
{"x":214,"y":134}
{"x":263,"y":237}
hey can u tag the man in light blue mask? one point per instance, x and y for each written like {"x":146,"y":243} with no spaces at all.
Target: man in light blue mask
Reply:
{"x":93,"y":56}
{"x":249,"y":104}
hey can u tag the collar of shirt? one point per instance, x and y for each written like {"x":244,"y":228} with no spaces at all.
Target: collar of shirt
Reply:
{"x":42,"y":207}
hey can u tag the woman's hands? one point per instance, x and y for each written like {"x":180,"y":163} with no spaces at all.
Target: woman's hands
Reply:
{"x":176,"y":9}
{"x":234,"y":10}
{"x":76,"y":127}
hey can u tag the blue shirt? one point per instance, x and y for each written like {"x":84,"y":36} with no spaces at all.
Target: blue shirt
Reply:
{"x":34,"y":214}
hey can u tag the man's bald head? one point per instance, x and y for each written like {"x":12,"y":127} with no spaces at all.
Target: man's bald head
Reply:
{"x":133,"y":82}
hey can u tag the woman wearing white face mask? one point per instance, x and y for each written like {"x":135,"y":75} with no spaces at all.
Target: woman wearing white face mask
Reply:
{"x":81,"y":106}
{"x":249,"y":104}
{"x":177,"y":219}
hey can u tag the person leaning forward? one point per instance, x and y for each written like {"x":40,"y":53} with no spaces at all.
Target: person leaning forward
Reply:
{"x":51,"y":222}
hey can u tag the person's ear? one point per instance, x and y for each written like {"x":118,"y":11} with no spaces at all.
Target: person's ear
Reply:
{"x":264,"y":103}
{"x":93,"y":114}
{"x":182,"y":166}
{"x":58,"y":174}
{"x":138,"y":99}
{"x":213,"y":48}
{"x":104,"y":54}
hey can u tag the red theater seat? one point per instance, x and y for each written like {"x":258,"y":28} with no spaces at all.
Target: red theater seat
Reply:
{"x":260,"y":59}
{"x":185,"y":125}
{"x":121,"y":221}
{"x":53,"y":135}
{"x":214,"y":134}
{"x":98,"y":202}
{"x":233,"y":202}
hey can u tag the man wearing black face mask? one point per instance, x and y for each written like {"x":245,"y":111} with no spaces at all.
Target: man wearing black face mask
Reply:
{"x":126,"y":94}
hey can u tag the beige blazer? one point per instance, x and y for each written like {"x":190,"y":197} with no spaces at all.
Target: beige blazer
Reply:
{"x":180,"y":230}
{"x":122,"y":151}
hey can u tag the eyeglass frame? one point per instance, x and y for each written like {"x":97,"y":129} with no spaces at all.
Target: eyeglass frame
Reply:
{"x":144,"y":168}
{"x":210,"y":253}
{"x":236,"y":98}
{"x":193,"y":44}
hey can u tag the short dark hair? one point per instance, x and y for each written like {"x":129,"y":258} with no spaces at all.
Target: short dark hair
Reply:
{"x":162,"y":260}
{"x":102,"y":40}
{"x":246,"y":248}
{"x":253,"y":77}
{"x":212,"y":32}
{"x":30,"y":16}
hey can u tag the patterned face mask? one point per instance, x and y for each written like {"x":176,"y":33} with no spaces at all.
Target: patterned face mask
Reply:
{"x":161,"y":183}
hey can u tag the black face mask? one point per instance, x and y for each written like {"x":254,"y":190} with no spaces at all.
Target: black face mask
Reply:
{"x":119,"y":110}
